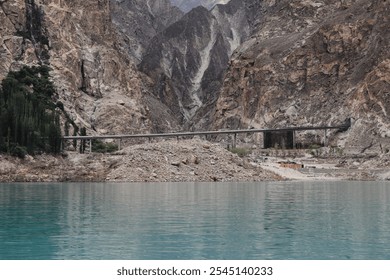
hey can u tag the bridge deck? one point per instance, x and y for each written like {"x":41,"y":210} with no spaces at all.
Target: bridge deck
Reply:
{"x":200,"y":133}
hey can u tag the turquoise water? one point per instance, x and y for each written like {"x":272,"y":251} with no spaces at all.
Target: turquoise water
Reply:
{"x":311,"y":220}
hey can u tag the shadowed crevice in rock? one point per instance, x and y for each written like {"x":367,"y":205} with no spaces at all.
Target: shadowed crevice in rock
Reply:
{"x":36,"y":32}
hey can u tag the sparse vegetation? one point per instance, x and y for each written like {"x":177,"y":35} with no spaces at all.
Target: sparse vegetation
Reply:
{"x":314,"y":146}
{"x":338,"y":151}
{"x":241,"y":152}
{"x":315,"y":152}
{"x":99,"y":146}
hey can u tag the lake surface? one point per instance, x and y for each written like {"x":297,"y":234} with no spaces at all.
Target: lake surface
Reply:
{"x":276,"y":220}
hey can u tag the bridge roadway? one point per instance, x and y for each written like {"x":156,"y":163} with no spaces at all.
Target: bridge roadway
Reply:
{"x":205,"y":133}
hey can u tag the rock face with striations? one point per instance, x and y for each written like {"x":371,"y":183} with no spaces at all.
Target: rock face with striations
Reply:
{"x":314,"y":63}
{"x":95,"y":79}
{"x":138,"y":21}
{"x":188,"y":59}
{"x":17,"y":46}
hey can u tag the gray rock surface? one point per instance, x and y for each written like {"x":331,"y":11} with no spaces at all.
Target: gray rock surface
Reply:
{"x":188,"y":59}
{"x":314,"y":63}
{"x":90,"y":69}
{"x":137,"y":21}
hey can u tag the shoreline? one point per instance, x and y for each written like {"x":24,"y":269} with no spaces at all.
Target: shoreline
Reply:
{"x":192,"y":160}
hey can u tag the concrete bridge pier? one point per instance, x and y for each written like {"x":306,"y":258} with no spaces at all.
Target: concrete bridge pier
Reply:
{"x":119,"y":144}
{"x":234,"y":141}
{"x":325,"y":138}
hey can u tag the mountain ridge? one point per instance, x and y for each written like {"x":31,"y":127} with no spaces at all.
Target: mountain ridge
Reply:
{"x":188,"y":59}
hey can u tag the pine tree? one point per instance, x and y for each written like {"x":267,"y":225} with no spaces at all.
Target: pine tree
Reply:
{"x":28,"y":120}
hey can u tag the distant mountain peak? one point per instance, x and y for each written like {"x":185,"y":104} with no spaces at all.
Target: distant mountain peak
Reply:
{"x":187,"y":5}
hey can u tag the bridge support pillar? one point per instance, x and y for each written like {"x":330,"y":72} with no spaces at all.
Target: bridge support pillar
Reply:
{"x":235,"y":140}
{"x":325,"y":138}
{"x":294,"y":140}
{"x":119,"y":144}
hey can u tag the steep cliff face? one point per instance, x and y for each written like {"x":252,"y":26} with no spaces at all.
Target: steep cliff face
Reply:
{"x":13,"y":44}
{"x":97,"y":82}
{"x":314,"y":63}
{"x":188,"y":59}
{"x":137,"y":21}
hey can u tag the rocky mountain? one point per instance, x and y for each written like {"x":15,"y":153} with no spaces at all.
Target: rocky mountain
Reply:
{"x":142,"y":65}
{"x":188,"y":59}
{"x":137,"y":21}
{"x":187,"y":5}
{"x":313,"y":63}
{"x":96,"y":79}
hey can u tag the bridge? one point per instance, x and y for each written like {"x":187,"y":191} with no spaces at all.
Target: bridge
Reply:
{"x":293,"y":130}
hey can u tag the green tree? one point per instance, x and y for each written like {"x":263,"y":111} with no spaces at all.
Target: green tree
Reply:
{"x":28,"y":119}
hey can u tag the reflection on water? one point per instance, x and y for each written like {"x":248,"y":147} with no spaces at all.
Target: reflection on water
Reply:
{"x":340,"y":220}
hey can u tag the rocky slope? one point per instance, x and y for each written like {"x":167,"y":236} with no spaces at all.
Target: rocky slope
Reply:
{"x":188,"y":59}
{"x":313,"y":63}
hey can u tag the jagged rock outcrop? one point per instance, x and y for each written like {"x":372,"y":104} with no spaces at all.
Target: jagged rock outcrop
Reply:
{"x":137,"y":21}
{"x":16,"y":47}
{"x":98,"y":82}
{"x":312,"y":63}
{"x":188,"y":59}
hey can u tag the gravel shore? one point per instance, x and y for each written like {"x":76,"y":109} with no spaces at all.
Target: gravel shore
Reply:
{"x":189,"y":161}
{"x":167,"y":161}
